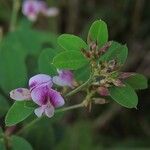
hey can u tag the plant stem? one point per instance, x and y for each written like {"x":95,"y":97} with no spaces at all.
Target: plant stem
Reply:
{"x":69,"y":108}
{"x":15,"y":9}
{"x":28,"y":125}
{"x":80,"y":87}
{"x":57,"y":111}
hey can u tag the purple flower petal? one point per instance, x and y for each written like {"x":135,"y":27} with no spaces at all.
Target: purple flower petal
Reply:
{"x":39,"y":111}
{"x":42,"y":6}
{"x":55,"y":98}
{"x":40,"y":95}
{"x":20,"y":94}
{"x":65,"y":78}
{"x":30,"y":8}
{"x":43,"y":94}
{"x":40,"y":79}
{"x":49,"y":111}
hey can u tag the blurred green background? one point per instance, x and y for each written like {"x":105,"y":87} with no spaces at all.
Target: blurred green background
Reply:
{"x":24,"y":53}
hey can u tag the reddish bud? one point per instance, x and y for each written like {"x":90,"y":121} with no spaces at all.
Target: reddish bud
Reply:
{"x":105,"y":47}
{"x":103,"y":91}
{"x":124,"y":75}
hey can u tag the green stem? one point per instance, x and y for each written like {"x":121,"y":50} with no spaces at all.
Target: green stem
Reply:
{"x":80,"y":87}
{"x":57,"y":111}
{"x":69,"y":108}
{"x":15,"y":9}
{"x":28,"y":125}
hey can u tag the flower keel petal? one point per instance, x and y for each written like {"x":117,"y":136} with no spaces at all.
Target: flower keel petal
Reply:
{"x":49,"y":111}
{"x":39,"y":111}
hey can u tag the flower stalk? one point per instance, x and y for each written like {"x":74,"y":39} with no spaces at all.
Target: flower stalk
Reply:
{"x":57,"y":111}
{"x":85,"y":84}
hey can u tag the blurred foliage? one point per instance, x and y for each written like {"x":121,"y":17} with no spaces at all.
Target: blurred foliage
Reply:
{"x":24,"y":51}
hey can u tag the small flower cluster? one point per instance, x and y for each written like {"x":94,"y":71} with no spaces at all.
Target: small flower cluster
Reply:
{"x":32,"y":8}
{"x":41,"y":92}
{"x":106,"y":73}
{"x":94,"y":50}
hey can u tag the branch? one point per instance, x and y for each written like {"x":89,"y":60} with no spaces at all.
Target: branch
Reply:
{"x":85,"y":84}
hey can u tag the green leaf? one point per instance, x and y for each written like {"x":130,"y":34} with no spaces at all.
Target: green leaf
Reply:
{"x":4,"y":106}
{"x":69,"y":60}
{"x":77,"y":133}
{"x":1,"y":134}
{"x":46,"y":136}
{"x":45,"y":61}
{"x":17,"y":113}
{"x":98,"y":32}
{"x":13,"y":72}
{"x":137,"y":81}
{"x":30,"y":104}
{"x":125,"y":96}
{"x":29,"y":41}
{"x":83,"y":73}
{"x":71,"y":42}
{"x":1,"y":131}
{"x":2,"y":144}
{"x":117,"y":52}
{"x":18,"y":143}
{"x":32,"y":41}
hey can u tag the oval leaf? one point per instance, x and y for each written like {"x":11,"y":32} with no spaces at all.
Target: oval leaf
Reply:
{"x":125,"y":96}
{"x":98,"y":32}
{"x":18,"y":143}
{"x":16,"y":72}
{"x":137,"y":81}
{"x":4,"y":106}
{"x":45,"y":60}
{"x":83,"y":73}
{"x":117,"y":52}
{"x":17,"y":113}
{"x":71,"y":42}
{"x":69,"y":60}
{"x":2,"y":144}
{"x":1,"y":131}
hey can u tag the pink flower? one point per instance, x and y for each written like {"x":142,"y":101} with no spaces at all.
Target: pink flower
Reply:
{"x":41,"y":92}
{"x":32,"y":8}
{"x":103,"y":91}
{"x":65,"y":78}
